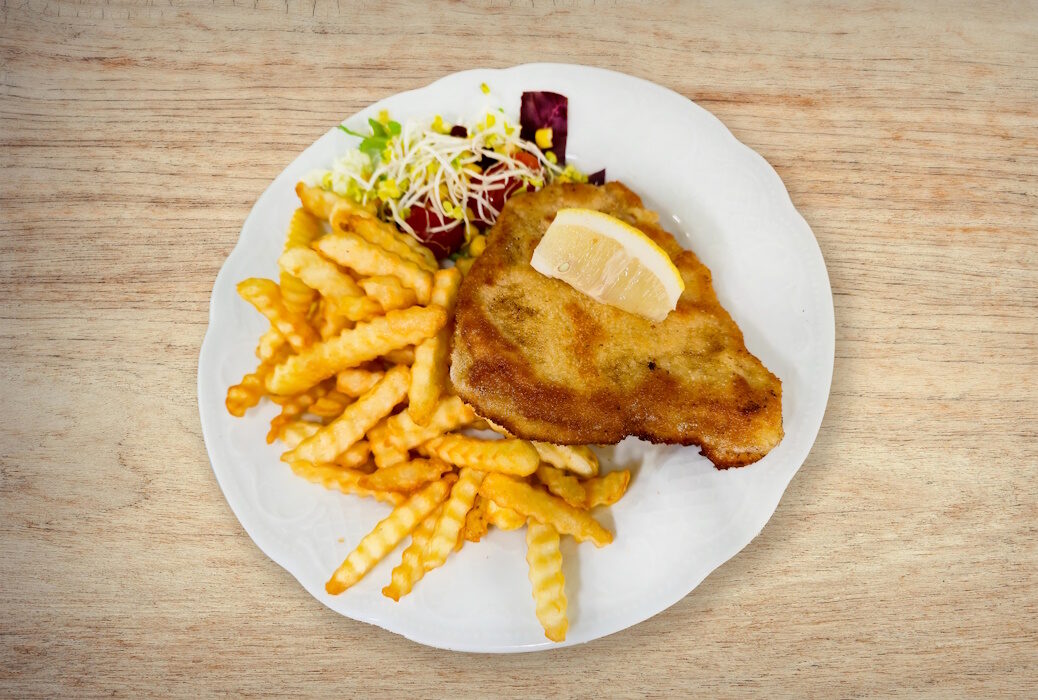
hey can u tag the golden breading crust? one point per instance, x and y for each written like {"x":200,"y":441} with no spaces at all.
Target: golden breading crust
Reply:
{"x":548,"y":363}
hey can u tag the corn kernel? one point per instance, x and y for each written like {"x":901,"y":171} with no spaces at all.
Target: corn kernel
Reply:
{"x":543,"y":137}
{"x":485,"y":88}
{"x":464,"y":264}
{"x":552,"y":158}
{"x":383,"y":117}
{"x":477,"y":245}
{"x":491,"y":120}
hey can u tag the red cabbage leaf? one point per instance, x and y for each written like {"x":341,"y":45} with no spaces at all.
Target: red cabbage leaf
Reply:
{"x":540,"y":110}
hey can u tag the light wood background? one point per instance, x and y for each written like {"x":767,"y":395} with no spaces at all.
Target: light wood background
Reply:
{"x":135,"y":138}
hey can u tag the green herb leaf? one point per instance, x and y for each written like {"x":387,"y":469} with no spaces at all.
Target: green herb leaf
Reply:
{"x":350,"y":131}
{"x":394,"y":128}
{"x":377,"y":128}
{"x":373,"y":147}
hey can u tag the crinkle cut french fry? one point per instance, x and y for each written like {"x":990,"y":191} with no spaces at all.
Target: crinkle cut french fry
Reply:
{"x":265,"y":295}
{"x":321,"y":203}
{"x":448,"y":529}
{"x":350,"y":348}
{"x":345,"y":480}
{"x":562,"y":484}
{"x":356,"y":457}
{"x":476,"y":523}
{"x":508,"y":456}
{"x":548,"y":509}
{"x":428,"y":377}
{"x":252,"y":387}
{"x":357,"y":253}
{"x":387,"y":534}
{"x":292,"y":407}
{"x":431,"y":364}
{"x":446,"y":284}
{"x":356,"y":381}
{"x":270,"y":343}
{"x":406,"y":476}
{"x":410,"y":569}
{"x":606,"y":490}
{"x":546,"y":577}
{"x":385,"y":236}
{"x":331,"y":324}
{"x":386,"y":455}
{"x":319,"y":273}
{"x":388,"y":292}
{"x":504,"y":518}
{"x":359,"y":417}
{"x":330,"y":405}
{"x":296,"y":431}
{"x":578,"y":459}
{"x":400,"y":356}
{"x":451,"y":413}
{"x":303,"y":229}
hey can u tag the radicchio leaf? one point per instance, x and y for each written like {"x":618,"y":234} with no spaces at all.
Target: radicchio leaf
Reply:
{"x":597,"y":178}
{"x":541,"y":109}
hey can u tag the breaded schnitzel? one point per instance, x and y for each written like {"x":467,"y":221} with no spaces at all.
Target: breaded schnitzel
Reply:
{"x":549,"y":363}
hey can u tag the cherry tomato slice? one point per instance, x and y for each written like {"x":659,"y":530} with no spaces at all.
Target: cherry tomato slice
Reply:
{"x":441,"y":243}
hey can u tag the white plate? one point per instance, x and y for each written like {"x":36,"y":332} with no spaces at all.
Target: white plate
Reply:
{"x":681,"y":518}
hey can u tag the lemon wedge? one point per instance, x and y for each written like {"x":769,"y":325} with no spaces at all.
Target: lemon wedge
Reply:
{"x":610,"y":261}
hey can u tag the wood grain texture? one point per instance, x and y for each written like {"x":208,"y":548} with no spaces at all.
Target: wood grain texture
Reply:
{"x":135,"y":137}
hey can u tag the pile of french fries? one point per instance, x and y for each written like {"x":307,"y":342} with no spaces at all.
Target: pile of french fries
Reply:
{"x":358,"y":355}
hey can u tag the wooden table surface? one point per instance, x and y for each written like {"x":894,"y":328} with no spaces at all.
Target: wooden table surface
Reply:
{"x":135,"y":138}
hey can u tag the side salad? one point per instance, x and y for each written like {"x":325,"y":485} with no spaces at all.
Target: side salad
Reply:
{"x":445,"y":184}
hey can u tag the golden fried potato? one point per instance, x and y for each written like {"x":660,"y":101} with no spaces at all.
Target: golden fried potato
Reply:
{"x":578,"y":459}
{"x":252,"y":387}
{"x":387,"y":534}
{"x":345,"y":480}
{"x":303,"y":229}
{"x":429,"y":373}
{"x":549,"y":585}
{"x":410,"y":570}
{"x":368,"y":259}
{"x":365,"y":342}
{"x":296,"y":431}
{"x":448,"y":529}
{"x":476,"y":522}
{"x":270,"y":344}
{"x":545,"y":508}
{"x":356,"y":381}
{"x":330,"y":323}
{"x":385,"y":236}
{"x":359,"y":417}
{"x":400,"y":356}
{"x":606,"y":490}
{"x":562,"y":484}
{"x":388,"y":292}
{"x":356,"y":457}
{"x":404,"y":434}
{"x":331,"y":405}
{"x":319,"y":273}
{"x":321,"y":202}
{"x":265,"y":295}
{"x":504,"y":518}
{"x":406,"y":476}
{"x":507,"y":456}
